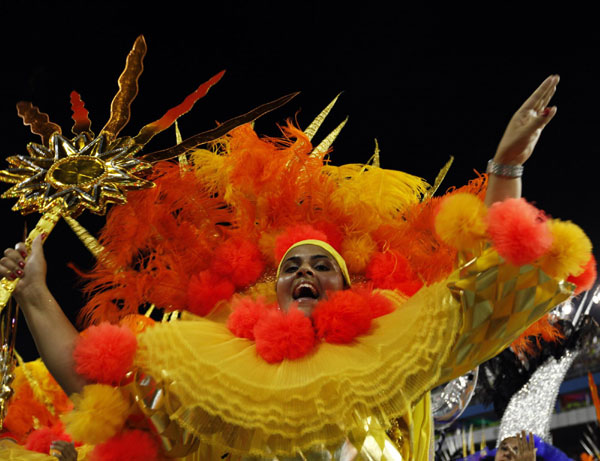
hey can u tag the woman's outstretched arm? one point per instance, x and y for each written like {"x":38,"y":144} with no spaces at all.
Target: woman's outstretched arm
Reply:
{"x":519,"y":140}
{"x":53,"y":333}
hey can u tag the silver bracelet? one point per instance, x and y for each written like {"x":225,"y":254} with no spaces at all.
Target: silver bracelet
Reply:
{"x":507,"y":171}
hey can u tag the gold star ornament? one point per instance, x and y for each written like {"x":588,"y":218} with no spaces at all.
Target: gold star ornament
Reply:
{"x":79,"y":173}
{"x":62,"y":176}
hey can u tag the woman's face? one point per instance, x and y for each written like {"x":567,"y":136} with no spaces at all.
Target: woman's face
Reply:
{"x":507,"y":449}
{"x":307,"y":273}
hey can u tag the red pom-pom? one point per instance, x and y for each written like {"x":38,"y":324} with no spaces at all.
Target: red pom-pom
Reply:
{"x":296,"y":234}
{"x":239,"y":260}
{"x":132,"y":445}
{"x":246,"y":313}
{"x":519,"y":231}
{"x":104,"y":353}
{"x":207,"y":289}
{"x":41,"y":439}
{"x":284,"y":336}
{"x":379,"y":304}
{"x":391,"y":270}
{"x":586,"y":280}
{"x":332,"y":232}
{"x":342,"y":317}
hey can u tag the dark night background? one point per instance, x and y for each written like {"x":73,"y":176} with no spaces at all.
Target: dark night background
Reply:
{"x":425,"y":84}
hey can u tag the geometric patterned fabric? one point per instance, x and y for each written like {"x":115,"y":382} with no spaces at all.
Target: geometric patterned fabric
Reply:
{"x":499,"y":302}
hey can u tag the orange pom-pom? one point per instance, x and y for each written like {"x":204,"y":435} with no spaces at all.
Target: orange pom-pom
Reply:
{"x":519,"y":231}
{"x":586,"y":279}
{"x":391,"y":270}
{"x":246,"y":313}
{"x":105,"y":353}
{"x":239,"y":260}
{"x":296,"y":234}
{"x":134,"y":445}
{"x":284,"y":336}
{"x":357,"y":252}
{"x":205,"y":290}
{"x":41,"y":439}
{"x":342,"y":317}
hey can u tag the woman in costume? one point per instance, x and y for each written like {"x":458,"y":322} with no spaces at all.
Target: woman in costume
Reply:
{"x":269,"y":383}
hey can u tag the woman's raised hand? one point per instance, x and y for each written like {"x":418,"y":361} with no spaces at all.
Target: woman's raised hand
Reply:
{"x":519,"y":140}
{"x":526,"y":125}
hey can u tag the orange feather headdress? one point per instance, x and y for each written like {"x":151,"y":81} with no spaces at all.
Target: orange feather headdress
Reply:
{"x":235,"y":199}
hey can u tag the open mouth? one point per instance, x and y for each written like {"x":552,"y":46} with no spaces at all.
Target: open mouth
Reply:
{"x":305,"y":290}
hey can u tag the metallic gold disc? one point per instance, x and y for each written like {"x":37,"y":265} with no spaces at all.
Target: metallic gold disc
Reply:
{"x":79,"y":171}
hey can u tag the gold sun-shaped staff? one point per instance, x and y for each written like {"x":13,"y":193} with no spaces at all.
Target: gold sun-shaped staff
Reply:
{"x":63,"y":176}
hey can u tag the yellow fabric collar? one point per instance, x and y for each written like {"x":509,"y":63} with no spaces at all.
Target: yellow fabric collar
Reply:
{"x":327,"y":247}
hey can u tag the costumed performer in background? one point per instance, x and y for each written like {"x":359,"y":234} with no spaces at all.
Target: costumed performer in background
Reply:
{"x":323,"y":302}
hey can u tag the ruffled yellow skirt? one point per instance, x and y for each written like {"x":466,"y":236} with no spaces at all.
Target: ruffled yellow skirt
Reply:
{"x":222,"y":392}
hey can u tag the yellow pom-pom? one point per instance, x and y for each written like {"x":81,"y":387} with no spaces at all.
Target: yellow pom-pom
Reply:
{"x":100,"y":412}
{"x":357,"y":251}
{"x":570,"y":250}
{"x":460,"y":221}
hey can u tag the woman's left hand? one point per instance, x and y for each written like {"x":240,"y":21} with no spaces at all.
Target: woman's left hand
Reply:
{"x":526,"y":125}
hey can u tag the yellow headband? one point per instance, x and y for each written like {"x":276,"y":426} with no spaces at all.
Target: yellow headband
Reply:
{"x":327,"y":247}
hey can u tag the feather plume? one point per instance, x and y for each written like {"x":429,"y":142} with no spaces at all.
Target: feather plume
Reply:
{"x":369,"y":194}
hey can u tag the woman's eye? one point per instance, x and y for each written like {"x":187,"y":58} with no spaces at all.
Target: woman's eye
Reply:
{"x":322,"y":267}
{"x":290,"y":269}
